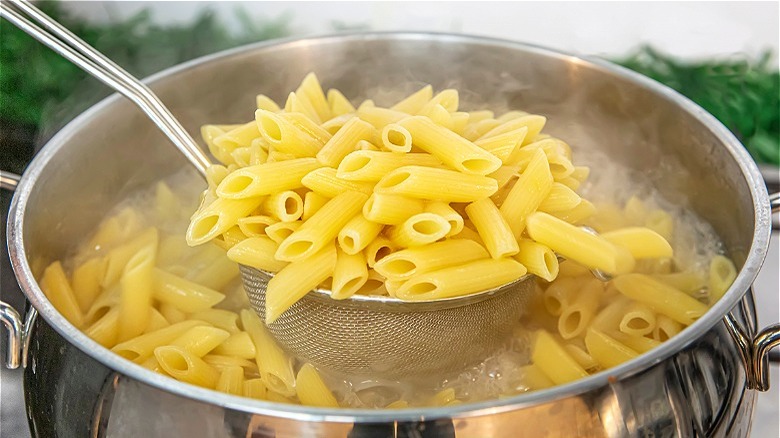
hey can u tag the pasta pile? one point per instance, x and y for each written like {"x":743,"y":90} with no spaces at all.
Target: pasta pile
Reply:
{"x":588,"y":325}
{"x":418,"y":201}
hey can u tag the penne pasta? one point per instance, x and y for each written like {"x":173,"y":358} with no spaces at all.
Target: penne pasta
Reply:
{"x":436,"y":184}
{"x":273,"y":363}
{"x":311,"y":390}
{"x":662,"y":298}
{"x":492,"y":228}
{"x":553,"y":360}
{"x":344,"y":141}
{"x":371,"y":166}
{"x":401,"y":265}
{"x":460,"y":280}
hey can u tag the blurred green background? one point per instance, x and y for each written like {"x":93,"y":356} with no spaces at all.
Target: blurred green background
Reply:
{"x":40,"y":91}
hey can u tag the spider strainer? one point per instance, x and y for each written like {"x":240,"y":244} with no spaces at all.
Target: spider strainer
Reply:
{"x":388,"y":338}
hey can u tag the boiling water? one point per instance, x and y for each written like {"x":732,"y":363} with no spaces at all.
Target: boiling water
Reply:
{"x":497,"y":376}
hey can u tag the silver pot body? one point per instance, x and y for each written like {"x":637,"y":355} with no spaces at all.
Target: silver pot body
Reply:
{"x":696,"y":384}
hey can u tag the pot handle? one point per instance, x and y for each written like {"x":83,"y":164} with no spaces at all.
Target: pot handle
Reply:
{"x":755,"y":350}
{"x":18,"y":330}
{"x":766,"y":339}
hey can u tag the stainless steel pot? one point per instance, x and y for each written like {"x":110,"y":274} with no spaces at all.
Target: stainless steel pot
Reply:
{"x":698,"y":383}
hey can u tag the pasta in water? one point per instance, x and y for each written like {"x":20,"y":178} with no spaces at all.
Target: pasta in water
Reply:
{"x":419,"y":201}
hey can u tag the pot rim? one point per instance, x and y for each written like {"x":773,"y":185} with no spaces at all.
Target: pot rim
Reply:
{"x":745,"y":277}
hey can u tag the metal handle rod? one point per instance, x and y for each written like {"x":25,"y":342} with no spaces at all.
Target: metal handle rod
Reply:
{"x":8,"y":180}
{"x":96,"y":64}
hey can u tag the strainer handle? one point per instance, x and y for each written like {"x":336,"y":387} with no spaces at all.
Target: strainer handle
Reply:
{"x":47,"y":31}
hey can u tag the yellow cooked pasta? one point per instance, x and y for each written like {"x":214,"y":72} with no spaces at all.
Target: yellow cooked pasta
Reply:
{"x":321,"y":193}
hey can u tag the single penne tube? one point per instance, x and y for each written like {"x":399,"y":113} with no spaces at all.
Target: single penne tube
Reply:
{"x":608,"y":318}
{"x":141,"y":347}
{"x":216,"y":272}
{"x":333,"y":125}
{"x":448,"y":213}
{"x":326,"y":182}
{"x":183,"y":294}
{"x":255,"y":225}
{"x":200,"y":340}
{"x":299,"y":104}
{"x":412,"y":103}
{"x":56,"y":287}
{"x":171,"y":313}
{"x":322,"y":228}
{"x":538,"y":259}
{"x":561,"y":294}
{"x":582,"y":357}
{"x":560,"y":198}
{"x":218,"y":217}
{"x":86,"y":281}
{"x":137,"y":289}
{"x":638,"y":320}
{"x":479,"y":128}
{"x":254,"y":388}
{"x":721,"y":276}
{"x":258,"y":253}
{"x":221,"y":362}
{"x":239,"y":344}
{"x":641,"y":242}
{"x":661,"y":222}
{"x":401,"y":265}
{"x":214,"y":175}
{"x":242,"y":156}
{"x":448,"y":98}
{"x":308,"y":125}
{"x":503,"y":145}
{"x":438,"y":115}
{"x":156,"y":321}
{"x":312,"y":202}
{"x":117,"y":257}
{"x":396,"y":139}
{"x":358,"y":233}
{"x":388,"y":209}
{"x":525,"y":196}
{"x":662,"y":298}
{"x":443,"y":398}
{"x":570,"y":268}
{"x":186,"y":367}
{"x":282,"y":230}
{"x":231,"y":381}
{"x":690,"y":282}
{"x":209,"y":133}
{"x":449,"y":147}
{"x":223,"y":145}
{"x":577,"y":315}
{"x":295,"y":280}
{"x":267,"y":178}
{"x":640,"y":344}
{"x":607,"y":351}
{"x":343,"y":142}
{"x":577,"y":215}
{"x":274,"y":364}
{"x":374,"y":285}
{"x":105,"y":330}
{"x":349,"y":274}
{"x":420,"y":229}
{"x":579,"y":245}
{"x":311,"y":389}
{"x":311,"y":90}
{"x":371,"y":166}
{"x":275,"y":156}
{"x":339,"y":105}
{"x":266,"y":103}
{"x":534,"y":123}
{"x":492,"y":228}
{"x":284,"y":135}
{"x":220,"y":318}
{"x":461,"y":280}
{"x":379,"y":117}
{"x":436,"y":184}
{"x":378,"y":249}
{"x":286,"y":206}
{"x":666,"y":328}
{"x":534,"y":378}
{"x":398,"y":404}
{"x":553,"y":360}
{"x":505,"y":175}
